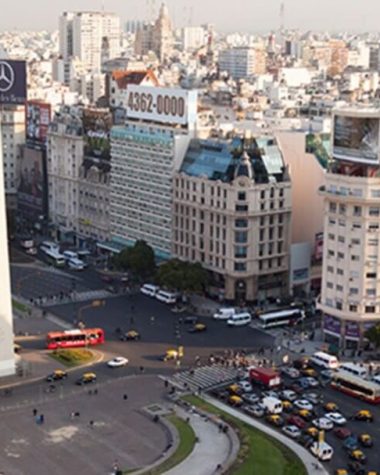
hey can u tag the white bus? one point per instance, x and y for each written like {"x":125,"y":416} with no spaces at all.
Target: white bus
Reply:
{"x":166,"y":297}
{"x":291,"y":316}
{"x":325,"y":360}
{"x":355,"y":369}
{"x":55,"y":258}
{"x":49,"y":246}
{"x":239,"y":319}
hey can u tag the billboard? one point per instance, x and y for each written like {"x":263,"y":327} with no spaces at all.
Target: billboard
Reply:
{"x":31,"y":194}
{"x":97,"y":124}
{"x":164,"y":105}
{"x":352,"y":330}
{"x":332,"y":325}
{"x":37,"y":122}
{"x":356,"y":138}
{"x":12,"y":82}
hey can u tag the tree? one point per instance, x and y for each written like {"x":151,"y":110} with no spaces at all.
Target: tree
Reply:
{"x":182,"y":276}
{"x":139,"y":260}
{"x":373,"y":335}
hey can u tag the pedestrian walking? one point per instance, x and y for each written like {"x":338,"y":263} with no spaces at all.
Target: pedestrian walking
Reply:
{"x":35,"y":412}
{"x":72,"y":415}
{"x":42,"y":418}
{"x":125,"y":397}
{"x":91,"y":423}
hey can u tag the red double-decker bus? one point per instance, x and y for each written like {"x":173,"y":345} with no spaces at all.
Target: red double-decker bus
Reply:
{"x":74,"y":338}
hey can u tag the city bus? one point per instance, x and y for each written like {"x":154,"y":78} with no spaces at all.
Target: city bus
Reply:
{"x":74,"y":338}
{"x":55,"y":258}
{"x":356,"y":387}
{"x":290,"y":317}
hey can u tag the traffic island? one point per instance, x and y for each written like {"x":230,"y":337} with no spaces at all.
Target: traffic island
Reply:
{"x":258,"y":452}
{"x":73,"y":357}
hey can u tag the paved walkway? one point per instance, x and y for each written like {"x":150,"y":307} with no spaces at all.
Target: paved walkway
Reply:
{"x":307,"y":458}
{"x":213,"y":447}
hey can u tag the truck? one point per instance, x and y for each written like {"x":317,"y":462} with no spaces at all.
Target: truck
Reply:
{"x":264,"y":376}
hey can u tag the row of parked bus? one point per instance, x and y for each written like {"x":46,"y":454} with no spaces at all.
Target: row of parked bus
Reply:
{"x":58,"y":259}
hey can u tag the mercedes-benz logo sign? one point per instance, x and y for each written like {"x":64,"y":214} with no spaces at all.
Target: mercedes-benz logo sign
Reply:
{"x":7,"y":76}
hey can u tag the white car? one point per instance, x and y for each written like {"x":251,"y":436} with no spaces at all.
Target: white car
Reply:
{"x":289,"y":395}
{"x":246,"y":386}
{"x":251,"y":398}
{"x":291,"y":372}
{"x":313,"y":383}
{"x":336,"y":418}
{"x":323,"y":423}
{"x":303,"y":404}
{"x":117,"y":362}
{"x":292,"y":431}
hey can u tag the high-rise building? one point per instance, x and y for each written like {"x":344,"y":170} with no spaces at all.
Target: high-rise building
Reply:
{"x":350,"y":283}
{"x":242,"y":62}
{"x":232,"y":211}
{"x":146,"y":152}
{"x":90,"y":37}
{"x":12,"y":119}
{"x":193,"y":37}
{"x":7,"y":356}
{"x":157,"y":37}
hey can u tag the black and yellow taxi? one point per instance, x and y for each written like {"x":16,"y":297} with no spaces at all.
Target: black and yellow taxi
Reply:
{"x":287,"y":406}
{"x":170,"y":354}
{"x":56,"y":375}
{"x":364,"y":415}
{"x":310,"y":372}
{"x":331,"y":407}
{"x":131,"y":335}
{"x":86,"y":378}
{"x":341,"y":471}
{"x":305,"y":414}
{"x":235,"y":400}
{"x":313,"y":432}
{"x":235,"y":390}
{"x":275,"y":420}
{"x":197,"y":328}
{"x":365,"y":440}
{"x":357,"y":455}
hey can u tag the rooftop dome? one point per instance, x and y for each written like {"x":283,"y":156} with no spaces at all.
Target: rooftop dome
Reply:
{"x":244,"y":167}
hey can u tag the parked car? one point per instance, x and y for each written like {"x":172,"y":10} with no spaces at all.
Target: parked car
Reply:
{"x":351,"y":443}
{"x":342,"y":432}
{"x":290,"y":372}
{"x":246,"y":386}
{"x":322,"y":423}
{"x":336,"y":418}
{"x":313,"y":383}
{"x":288,"y":394}
{"x":296,"y":421}
{"x":314,"y":398}
{"x":251,"y":398}
{"x":258,"y":410}
{"x":292,"y":431}
{"x":303,"y":404}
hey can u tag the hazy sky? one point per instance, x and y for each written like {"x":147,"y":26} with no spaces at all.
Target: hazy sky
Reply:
{"x":230,"y":15}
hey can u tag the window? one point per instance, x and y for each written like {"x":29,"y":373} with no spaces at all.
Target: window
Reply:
{"x":341,"y":239}
{"x":370,"y":292}
{"x":370,"y":309}
{"x":332,"y":237}
{"x":354,"y":290}
{"x":330,"y":269}
{"x":353,"y":308}
{"x":262,"y":234}
{"x":374,"y":211}
{"x":262,"y":220}
{"x":271,"y":193}
{"x":339,"y":288}
{"x":357,"y":211}
{"x":342,"y":209}
{"x":330,"y":285}
{"x":339,"y":271}
{"x":355,"y":242}
{"x":240,"y":251}
{"x":241,"y":207}
{"x":241,"y":223}
{"x":339,"y":305}
{"x":371,"y":275}
{"x":262,"y":194}
{"x":355,"y":258}
{"x":330,"y":253}
{"x":332,"y":221}
{"x":241,"y":196}
{"x":241,"y":236}
{"x":332,"y":207}
{"x":240,"y":266}
{"x":340,"y":255}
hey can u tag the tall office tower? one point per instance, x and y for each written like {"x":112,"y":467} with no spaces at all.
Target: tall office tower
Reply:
{"x":350,"y":297}
{"x":145,"y":153}
{"x":12,"y":120}
{"x":7,"y":357}
{"x":89,"y":36}
{"x":242,"y":62}
{"x":232,"y":211}
{"x":157,"y":37}
{"x":193,"y":37}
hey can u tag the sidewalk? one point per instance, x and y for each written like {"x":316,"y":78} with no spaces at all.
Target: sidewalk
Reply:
{"x":306,"y":457}
{"x":213,"y":447}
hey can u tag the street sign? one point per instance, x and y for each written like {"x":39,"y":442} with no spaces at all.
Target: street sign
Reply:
{"x":12,"y":82}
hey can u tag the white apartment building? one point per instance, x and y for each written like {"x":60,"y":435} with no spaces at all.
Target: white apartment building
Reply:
{"x":12,"y":120}
{"x":350,"y":298}
{"x":193,"y":37}
{"x":242,"y":62}
{"x":7,"y":355}
{"x":89,"y":36}
{"x":144,"y":158}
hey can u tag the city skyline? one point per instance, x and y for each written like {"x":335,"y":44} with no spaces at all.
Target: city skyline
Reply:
{"x":259,"y":16}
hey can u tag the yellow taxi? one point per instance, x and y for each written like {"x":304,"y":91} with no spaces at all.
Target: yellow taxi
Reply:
{"x":132,"y":335}
{"x":170,"y":354}
{"x":364,"y":415}
{"x":56,"y":375}
{"x":86,"y":378}
{"x":331,"y":407}
{"x":198,"y":328}
{"x":287,"y":406}
{"x":234,"y":389}
{"x":341,"y":471}
{"x":235,"y":401}
{"x":357,"y":455}
{"x":310,"y":372}
{"x":312,"y":431}
{"x":366,"y":440}
{"x":305,"y":414}
{"x":275,"y":420}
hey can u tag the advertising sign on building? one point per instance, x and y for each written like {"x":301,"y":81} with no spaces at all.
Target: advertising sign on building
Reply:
{"x":31,"y":194}
{"x":12,"y":82}
{"x":163,"y":105}
{"x":37,"y":122}
{"x":97,"y":124}
{"x":352,"y":330}
{"x":332,"y":325}
{"x":356,"y":138}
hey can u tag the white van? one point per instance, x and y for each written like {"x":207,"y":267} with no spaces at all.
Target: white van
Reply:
{"x":322,"y":450}
{"x":376,"y":379}
{"x":325,"y":360}
{"x":70,"y":255}
{"x":149,"y":289}
{"x":49,"y":246}
{"x":224,"y":313}
{"x":272,"y":405}
{"x":166,"y":297}
{"x":239,"y":319}
{"x":75,"y":264}
{"x":355,"y":369}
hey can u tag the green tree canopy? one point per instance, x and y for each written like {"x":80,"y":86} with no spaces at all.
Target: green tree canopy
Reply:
{"x":182,"y":276}
{"x":373,"y":335}
{"x":139,"y":260}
